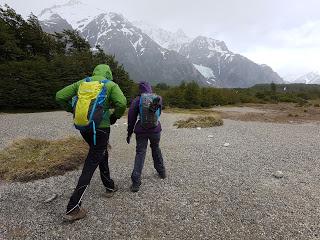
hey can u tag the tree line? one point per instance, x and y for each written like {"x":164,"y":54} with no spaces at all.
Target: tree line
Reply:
{"x":191,"y":95}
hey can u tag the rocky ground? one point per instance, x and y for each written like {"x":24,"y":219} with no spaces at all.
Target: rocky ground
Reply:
{"x":274,"y":113}
{"x":212,"y":191}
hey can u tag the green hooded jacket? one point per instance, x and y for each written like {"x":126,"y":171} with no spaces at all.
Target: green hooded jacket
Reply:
{"x":115,"y":96}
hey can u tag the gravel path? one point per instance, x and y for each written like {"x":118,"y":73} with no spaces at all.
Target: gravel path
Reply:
{"x":212,"y":191}
{"x":47,"y":125}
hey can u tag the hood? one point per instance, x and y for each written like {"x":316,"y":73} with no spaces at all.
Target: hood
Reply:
{"x":145,"y":87}
{"x":104,"y":71}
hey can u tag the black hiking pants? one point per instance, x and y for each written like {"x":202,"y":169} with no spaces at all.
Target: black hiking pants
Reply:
{"x":97,"y":156}
{"x":141,"y":149}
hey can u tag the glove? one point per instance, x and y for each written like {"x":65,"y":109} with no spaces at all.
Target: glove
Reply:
{"x":113,"y":119}
{"x":128,"y":139}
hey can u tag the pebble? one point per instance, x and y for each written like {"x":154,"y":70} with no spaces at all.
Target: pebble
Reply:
{"x":278,"y":174}
{"x":226,"y":144}
{"x":50,"y":199}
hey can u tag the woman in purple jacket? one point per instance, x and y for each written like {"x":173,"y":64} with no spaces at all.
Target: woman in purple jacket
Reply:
{"x":144,"y":135}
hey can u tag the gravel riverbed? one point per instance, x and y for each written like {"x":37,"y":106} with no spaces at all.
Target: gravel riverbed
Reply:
{"x":211,"y":192}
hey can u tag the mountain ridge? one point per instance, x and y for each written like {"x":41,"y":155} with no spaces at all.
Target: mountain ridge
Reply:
{"x":172,"y":59}
{"x":309,"y":78}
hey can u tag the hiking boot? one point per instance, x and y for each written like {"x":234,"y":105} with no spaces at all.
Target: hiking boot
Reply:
{"x":162,"y":175}
{"x":110,"y":191}
{"x":135,"y":187}
{"x":76,"y":214}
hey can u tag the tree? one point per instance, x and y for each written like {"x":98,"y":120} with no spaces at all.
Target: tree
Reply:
{"x":192,"y":95}
{"x":34,"y":64}
{"x":273,"y":87}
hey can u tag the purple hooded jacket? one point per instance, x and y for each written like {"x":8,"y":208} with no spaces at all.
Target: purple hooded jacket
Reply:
{"x":133,"y":124}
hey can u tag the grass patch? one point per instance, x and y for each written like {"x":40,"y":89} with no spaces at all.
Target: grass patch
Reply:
{"x":201,"y":121}
{"x":31,"y":159}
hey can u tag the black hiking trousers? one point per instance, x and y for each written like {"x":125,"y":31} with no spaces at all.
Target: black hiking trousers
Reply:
{"x":97,"y":156}
{"x":141,"y":150}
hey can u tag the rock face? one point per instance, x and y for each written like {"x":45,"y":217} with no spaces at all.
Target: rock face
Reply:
{"x":156,"y":55}
{"x":229,"y":69}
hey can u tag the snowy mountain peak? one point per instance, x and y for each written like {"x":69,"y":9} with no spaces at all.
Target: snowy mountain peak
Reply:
{"x":53,"y":19}
{"x":166,"y":39}
{"x":210,"y":44}
{"x":108,"y":26}
{"x":309,"y":78}
{"x":77,"y":14}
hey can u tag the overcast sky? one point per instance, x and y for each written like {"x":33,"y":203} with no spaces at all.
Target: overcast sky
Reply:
{"x":284,"y":34}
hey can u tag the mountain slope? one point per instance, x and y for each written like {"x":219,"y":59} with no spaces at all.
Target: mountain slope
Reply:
{"x":229,"y":69}
{"x":76,"y":13}
{"x":55,"y":23}
{"x":142,"y":57}
{"x":309,"y":78}
{"x":166,"y":39}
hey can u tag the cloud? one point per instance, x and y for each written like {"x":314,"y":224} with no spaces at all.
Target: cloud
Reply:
{"x":285,"y":61}
{"x":306,"y":35}
{"x":295,"y":51}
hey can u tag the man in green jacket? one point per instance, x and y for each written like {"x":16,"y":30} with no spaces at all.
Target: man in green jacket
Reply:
{"x":98,"y":153}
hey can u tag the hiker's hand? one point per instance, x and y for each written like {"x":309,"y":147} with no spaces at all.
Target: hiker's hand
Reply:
{"x":113,"y":119}
{"x":128,"y":139}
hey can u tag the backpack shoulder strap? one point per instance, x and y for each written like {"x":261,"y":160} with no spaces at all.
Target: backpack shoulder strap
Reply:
{"x":105,"y":81}
{"x":105,"y":90}
{"x":140,"y":106}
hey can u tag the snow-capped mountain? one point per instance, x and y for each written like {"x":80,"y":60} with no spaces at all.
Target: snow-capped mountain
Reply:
{"x":156,"y":55}
{"x":229,"y":69}
{"x":142,"y":57}
{"x":76,"y":13}
{"x":309,"y":78}
{"x":166,"y":39}
{"x":55,"y":23}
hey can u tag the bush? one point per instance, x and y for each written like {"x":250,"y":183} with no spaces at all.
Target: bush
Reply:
{"x":203,"y":122}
